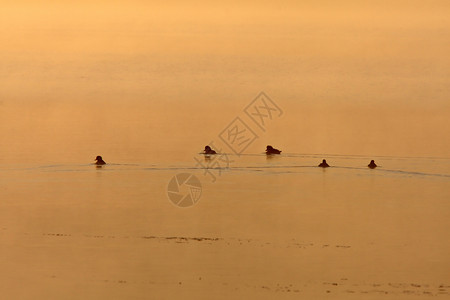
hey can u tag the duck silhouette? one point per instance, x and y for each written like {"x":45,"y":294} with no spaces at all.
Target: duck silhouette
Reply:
{"x":99,"y":161}
{"x":208,"y":150}
{"x":272,"y":150}
{"x":372,"y":164}
{"x":324,"y":164}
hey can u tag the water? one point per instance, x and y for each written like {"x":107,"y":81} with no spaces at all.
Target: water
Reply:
{"x":147,"y":86}
{"x":265,"y":228}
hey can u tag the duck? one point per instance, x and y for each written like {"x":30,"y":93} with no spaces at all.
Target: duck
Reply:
{"x":208,"y":150}
{"x":372,"y":164}
{"x":272,"y":150}
{"x":99,"y":161}
{"x":323,"y":164}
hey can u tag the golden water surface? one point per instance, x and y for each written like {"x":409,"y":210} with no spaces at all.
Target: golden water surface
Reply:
{"x":147,"y":84}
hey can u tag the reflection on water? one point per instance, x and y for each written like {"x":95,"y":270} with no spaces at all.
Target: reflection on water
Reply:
{"x":411,"y":166}
{"x":320,"y":228}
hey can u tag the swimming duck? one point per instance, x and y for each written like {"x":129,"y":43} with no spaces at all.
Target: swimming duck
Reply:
{"x":99,"y":161}
{"x":271,"y":150}
{"x":372,"y":164}
{"x":208,"y":150}
{"x":324,"y":164}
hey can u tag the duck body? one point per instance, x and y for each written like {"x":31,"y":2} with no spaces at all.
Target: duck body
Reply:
{"x":372,"y":164}
{"x":324,"y":164}
{"x":99,"y":161}
{"x":270,"y":150}
{"x":208,"y":150}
